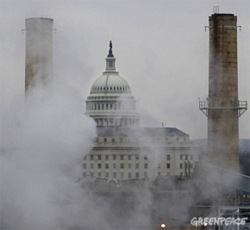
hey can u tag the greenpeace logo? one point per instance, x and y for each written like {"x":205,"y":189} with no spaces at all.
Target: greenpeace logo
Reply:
{"x":218,"y":221}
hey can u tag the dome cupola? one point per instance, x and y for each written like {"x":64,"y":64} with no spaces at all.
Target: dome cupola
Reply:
{"x":110,"y":102}
{"x":110,"y":82}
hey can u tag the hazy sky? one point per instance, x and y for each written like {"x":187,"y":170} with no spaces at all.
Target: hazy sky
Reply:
{"x":161,"y":49}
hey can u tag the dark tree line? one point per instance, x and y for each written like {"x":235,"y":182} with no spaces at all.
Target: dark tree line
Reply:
{"x":245,"y":163}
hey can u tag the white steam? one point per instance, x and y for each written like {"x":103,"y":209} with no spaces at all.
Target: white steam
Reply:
{"x":42,"y":143}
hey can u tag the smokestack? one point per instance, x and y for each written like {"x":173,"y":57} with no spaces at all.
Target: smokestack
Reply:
{"x":39,"y":52}
{"x":223,"y":107}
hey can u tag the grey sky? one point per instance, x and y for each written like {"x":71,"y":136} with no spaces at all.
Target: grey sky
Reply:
{"x":161,"y":49}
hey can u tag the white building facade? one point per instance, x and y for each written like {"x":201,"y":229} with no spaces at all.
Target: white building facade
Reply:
{"x":122,"y":149}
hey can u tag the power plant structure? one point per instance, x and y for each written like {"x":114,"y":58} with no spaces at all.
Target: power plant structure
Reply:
{"x":128,"y":163}
{"x":39,"y":52}
{"x":222,"y":107}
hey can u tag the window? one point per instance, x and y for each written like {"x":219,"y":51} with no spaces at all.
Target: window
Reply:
{"x":168,"y":166}
{"x":137,"y":175}
{"x":146,"y":166}
{"x":92,"y":174}
{"x":114,"y":157}
{"x":129,"y":157}
{"x":191,"y":165}
{"x":99,"y":166}
{"x":159,"y":166}
{"x":107,"y":174}
{"x":129,"y":175}
{"x":145,"y":174}
{"x":129,"y":166}
{"x":186,"y":157}
{"x":122,"y":166}
{"x":159,"y":173}
{"x":110,"y":106}
{"x":105,"y":139}
{"x":180,"y":166}
{"x":113,"y":140}
{"x":99,"y":157}
{"x":114,"y":166}
{"x":107,"y":106}
{"x":191,"y":157}
{"x":137,"y":157}
{"x":107,"y":166}
{"x":107,"y":157}
{"x":114,"y":174}
{"x":91,"y":157}
{"x":145,"y":158}
{"x":168,"y":157}
{"x":92,"y":166}
{"x":99,"y":174}
{"x":84,"y":166}
{"x":122,"y":157}
{"x":137,"y":166}
{"x":181,"y":157}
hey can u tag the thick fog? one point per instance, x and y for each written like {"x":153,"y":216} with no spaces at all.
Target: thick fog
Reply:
{"x":43,"y":141}
{"x":161,"y":49}
{"x":45,"y":134}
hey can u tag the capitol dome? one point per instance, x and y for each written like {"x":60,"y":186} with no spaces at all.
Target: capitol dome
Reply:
{"x":110,"y":102}
{"x":110,"y":83}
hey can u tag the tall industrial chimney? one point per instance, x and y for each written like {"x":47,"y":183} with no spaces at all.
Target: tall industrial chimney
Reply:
{"x":222,"y":106}
{"x":39,"y":52}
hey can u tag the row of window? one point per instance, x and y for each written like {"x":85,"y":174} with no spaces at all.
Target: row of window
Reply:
{"x":114,"y":157}
{"x":111,"y":88}
{"x":181,"y":165}
{"x":111,"y":106}
{"x":107,"y":166}
{"x":121,"y":157}
{"x":136,"y":165}
{"x":114,"y":175}
{"x":120,"y":175}
{"x":99,"y":166}
{"x":185,"y":157}
{"x":113,"y":140}
{"x":116,"y":122}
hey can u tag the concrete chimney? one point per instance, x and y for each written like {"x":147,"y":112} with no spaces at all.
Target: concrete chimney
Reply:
{"x":223,"y":108}
{"x":39,"y":52}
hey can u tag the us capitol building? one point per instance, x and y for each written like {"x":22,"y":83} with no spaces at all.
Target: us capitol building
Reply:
{"x":122,"y":149}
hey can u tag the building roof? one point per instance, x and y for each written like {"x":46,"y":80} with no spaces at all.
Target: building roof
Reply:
{"x":140,"y":132}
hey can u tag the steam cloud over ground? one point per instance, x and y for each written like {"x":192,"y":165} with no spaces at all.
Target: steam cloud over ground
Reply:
{"x":43,"y":141}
